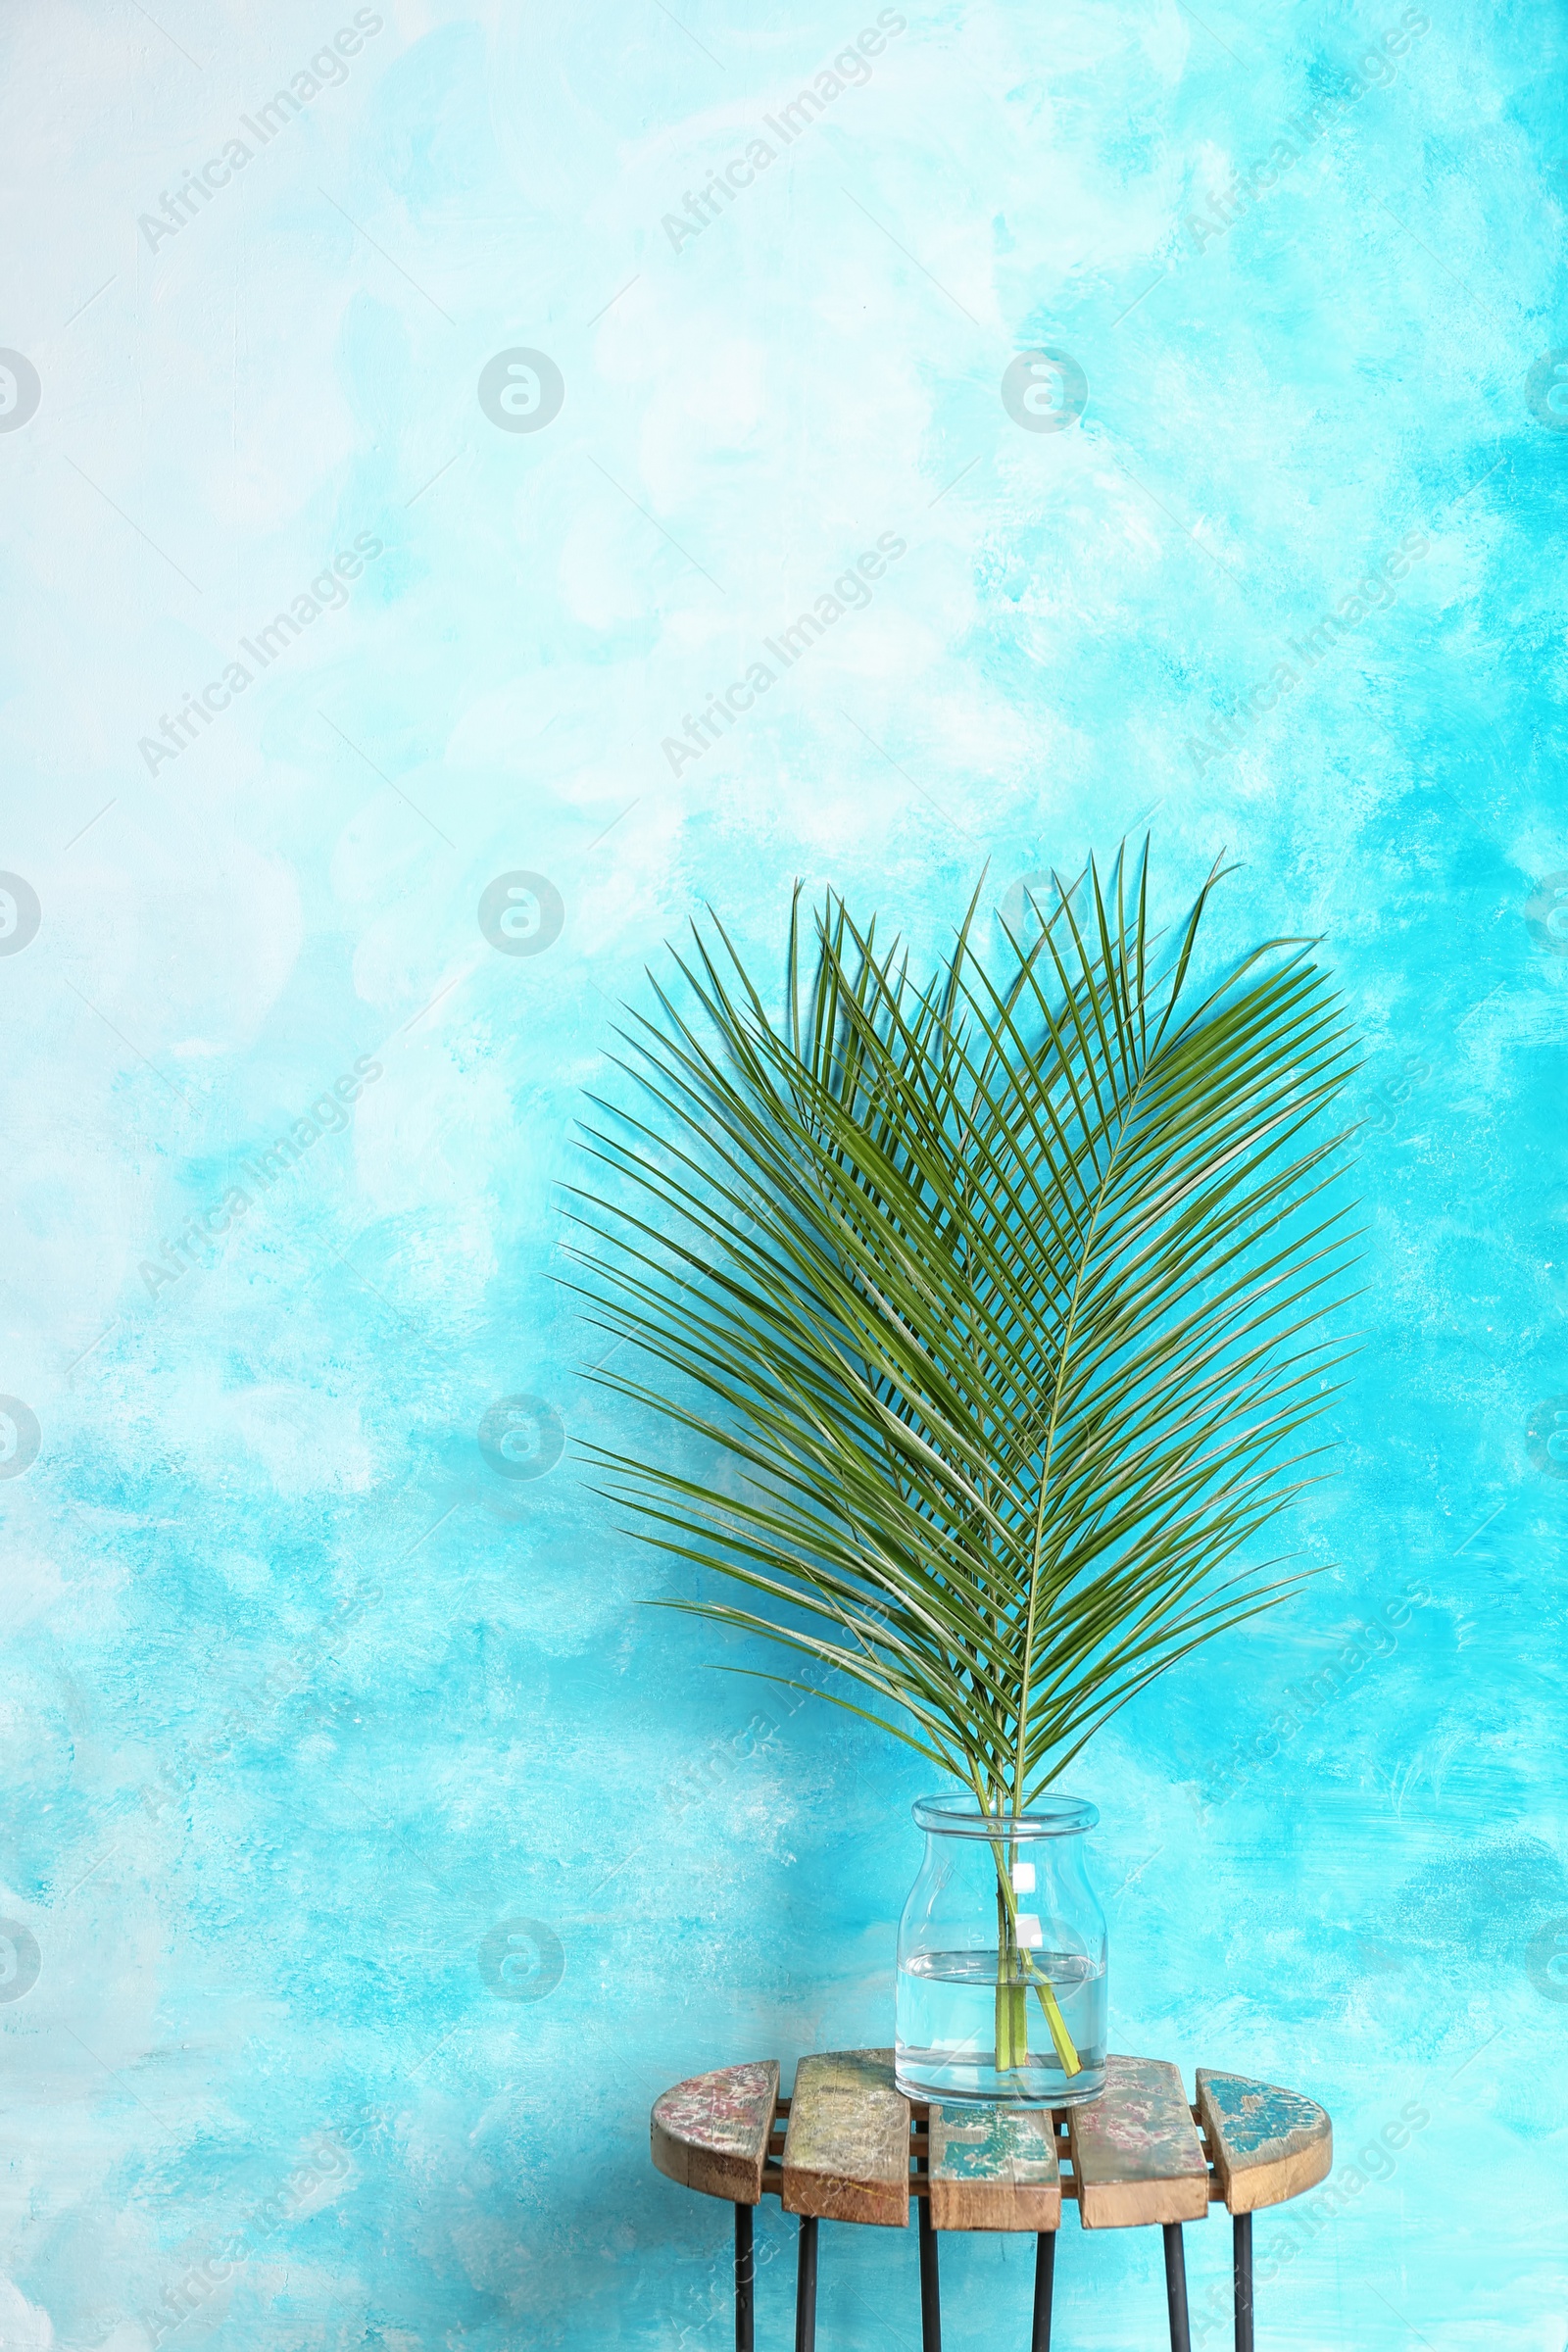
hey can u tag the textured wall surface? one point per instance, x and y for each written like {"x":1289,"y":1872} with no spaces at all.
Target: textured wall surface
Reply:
{"x":370,"y":1858}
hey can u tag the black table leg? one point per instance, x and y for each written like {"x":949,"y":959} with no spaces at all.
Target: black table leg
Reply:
{"x":1244,"y":2283}
{"x":745,"y":2278}
{"x":805,"y":2288}
{"x":1045,"y":2279}
{"x":930,"y":2283}
{"x":1176,"y":2289}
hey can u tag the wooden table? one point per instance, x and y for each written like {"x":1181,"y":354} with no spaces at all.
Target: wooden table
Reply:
{"x":850,"y":2147}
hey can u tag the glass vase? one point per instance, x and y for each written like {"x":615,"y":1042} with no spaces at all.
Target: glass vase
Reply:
{"x":1001,"y":1958}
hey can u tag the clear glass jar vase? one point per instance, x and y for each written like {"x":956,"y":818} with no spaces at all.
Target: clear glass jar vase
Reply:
{"x":1001,"y":1958}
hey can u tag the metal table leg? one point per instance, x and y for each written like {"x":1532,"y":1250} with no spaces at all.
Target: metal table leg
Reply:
{"x":1045,"y":2279}
{"x":745,"y":2278}
{"x":930,"y":2283}
{"x":1176,"y":2289}
{"x":805,"y":2288}
{"x":1244,"y":2283}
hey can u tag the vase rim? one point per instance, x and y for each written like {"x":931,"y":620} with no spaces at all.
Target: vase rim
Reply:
{"x":1052,"y":1814}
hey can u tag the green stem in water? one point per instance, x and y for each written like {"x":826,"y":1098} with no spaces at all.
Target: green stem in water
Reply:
{"x":1017,"y":1974}
{"x":1012,"y":1997}
{"x":1066,"y":2050}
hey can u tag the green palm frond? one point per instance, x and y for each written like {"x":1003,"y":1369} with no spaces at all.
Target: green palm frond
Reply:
{"x":1002,"y":1299}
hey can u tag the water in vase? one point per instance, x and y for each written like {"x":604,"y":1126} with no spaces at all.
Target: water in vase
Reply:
{"x":947,"y":2030}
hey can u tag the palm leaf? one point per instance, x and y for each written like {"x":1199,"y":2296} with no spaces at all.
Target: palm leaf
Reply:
{"x":1002,"y":1299}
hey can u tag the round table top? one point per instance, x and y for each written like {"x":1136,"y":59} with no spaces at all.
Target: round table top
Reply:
{"x":849,"y":2147}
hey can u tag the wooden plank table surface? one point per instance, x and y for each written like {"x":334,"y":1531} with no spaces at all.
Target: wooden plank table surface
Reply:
{"x":712,"y":2132}
{"x":1268,"y":2144}
{"x":847,"y":2149}
{"x":1136,"y":2154}
{"x":993,"y":2167}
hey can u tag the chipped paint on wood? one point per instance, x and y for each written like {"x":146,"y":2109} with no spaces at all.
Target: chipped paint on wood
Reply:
{"x":847,"y":2149}
{"x":1136,"y":2153}
{"x":1268,"y":2144}
{"x":711,"y":2132}
{"x":994,"y":2167}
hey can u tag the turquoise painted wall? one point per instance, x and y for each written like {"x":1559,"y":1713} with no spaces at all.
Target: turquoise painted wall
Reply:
{"x":370,"y":1859}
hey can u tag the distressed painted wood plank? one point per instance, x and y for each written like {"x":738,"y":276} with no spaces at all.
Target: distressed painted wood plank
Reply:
{"x":847,"y":2148}
{"x":1268,"y":2144}
{"x":711,"y":2132}
{"x":994,"y":2167}
{"x":1136,"y":2153}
